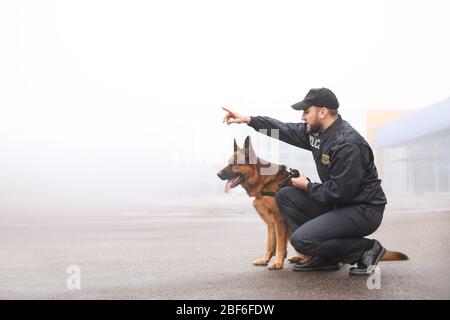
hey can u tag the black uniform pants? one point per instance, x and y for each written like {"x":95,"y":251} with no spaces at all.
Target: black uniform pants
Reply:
{"x":321,"y":230}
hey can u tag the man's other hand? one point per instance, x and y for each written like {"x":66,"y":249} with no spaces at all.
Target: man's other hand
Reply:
{"x":301,"y":182}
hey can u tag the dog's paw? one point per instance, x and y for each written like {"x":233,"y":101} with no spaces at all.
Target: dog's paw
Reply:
{"x":299,"y":259}
{"x":275,"y":266}
{"x":260,"y":262}
{"x":294,"y":259}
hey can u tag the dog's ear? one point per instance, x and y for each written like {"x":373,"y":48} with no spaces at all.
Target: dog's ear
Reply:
{"x":250,"y":156}
{"x":235,"y":146}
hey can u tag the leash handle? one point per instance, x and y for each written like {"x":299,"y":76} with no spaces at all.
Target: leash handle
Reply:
{"x":293,"y":173}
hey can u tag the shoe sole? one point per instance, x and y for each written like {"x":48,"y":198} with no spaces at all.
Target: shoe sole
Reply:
{"x":368,"y":273}
{"x":324,"y":268}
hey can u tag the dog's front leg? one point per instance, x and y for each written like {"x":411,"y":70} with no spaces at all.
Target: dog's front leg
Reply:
{"x":281,"y":236}
{"x":271,"y":236}
{"x":270,"y":247}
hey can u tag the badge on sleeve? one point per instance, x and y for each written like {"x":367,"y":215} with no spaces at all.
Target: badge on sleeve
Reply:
{"x":325,"y":159}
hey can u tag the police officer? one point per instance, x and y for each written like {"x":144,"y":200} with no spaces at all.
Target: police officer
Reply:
{"x":329,"y":220}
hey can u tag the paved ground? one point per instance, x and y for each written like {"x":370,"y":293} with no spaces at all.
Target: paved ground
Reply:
{"x":189,"y":253}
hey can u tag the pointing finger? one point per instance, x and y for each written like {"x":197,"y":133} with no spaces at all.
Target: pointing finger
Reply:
{"x":227,"y":110}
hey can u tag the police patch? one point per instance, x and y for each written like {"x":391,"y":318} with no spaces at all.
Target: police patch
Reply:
{"x":325,"y":159}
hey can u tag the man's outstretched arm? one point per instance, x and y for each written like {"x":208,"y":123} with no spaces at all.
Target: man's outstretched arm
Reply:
{"x":291,"y":133}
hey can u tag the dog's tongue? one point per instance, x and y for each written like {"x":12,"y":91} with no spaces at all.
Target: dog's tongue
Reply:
{"x":228,"y":185}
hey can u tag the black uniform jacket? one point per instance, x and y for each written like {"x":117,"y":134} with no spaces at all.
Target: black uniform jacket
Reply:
{"x":343,"y":158}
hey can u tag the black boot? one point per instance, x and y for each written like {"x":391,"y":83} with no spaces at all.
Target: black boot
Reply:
{"x":316,"y":264}
{"x":368,"y":261}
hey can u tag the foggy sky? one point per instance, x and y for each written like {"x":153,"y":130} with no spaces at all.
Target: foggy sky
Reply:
{"x":115,"y":104}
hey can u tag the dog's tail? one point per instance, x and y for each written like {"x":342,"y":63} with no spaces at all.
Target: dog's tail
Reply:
{"x":394,"y":256}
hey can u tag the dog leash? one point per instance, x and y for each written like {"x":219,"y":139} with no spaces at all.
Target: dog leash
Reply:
{"x":292,"y":173}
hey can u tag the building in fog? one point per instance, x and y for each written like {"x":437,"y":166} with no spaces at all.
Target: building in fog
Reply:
{"x":413,"y":151}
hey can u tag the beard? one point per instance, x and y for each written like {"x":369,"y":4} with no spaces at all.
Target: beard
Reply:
{"x":313,"y":128}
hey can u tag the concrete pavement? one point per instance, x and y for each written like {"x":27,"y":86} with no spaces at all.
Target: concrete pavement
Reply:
{"x":193,"y":253}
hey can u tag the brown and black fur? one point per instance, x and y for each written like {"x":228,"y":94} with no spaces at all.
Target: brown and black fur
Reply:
{"x":246,"y":169}
{"x":255,"y":183}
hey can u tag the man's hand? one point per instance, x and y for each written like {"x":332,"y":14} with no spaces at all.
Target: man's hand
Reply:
{"x":234,"y":117}
{"x":301,"y":182}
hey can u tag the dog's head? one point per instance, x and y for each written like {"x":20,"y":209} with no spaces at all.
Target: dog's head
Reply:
{"x":242,"y":168}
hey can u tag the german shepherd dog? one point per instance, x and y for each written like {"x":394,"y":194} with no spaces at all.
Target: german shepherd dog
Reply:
{"x":246,"y":169}
{"x":263,"y":187}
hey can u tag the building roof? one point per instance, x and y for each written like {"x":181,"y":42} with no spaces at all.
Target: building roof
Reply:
{"x":423,"y":122}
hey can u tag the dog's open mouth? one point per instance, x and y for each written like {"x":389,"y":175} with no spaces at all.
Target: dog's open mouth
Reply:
{"x":234,"y":182}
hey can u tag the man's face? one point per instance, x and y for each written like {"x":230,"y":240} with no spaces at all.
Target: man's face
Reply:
{"x":311,"y":117}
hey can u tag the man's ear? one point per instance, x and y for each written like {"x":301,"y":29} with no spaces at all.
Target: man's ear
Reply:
{"x":323,"y":113}
{"x":250,"y":156}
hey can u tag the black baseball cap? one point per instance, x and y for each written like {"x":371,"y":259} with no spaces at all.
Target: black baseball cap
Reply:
{"x":320,"y":97}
